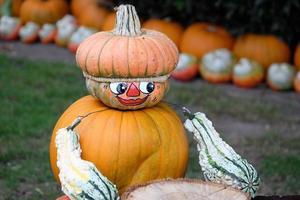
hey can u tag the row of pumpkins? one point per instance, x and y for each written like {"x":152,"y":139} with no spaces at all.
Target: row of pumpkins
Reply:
{"x":205,"y":48}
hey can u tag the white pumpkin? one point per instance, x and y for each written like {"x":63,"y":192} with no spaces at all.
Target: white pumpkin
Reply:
{"x":216,"y":66}
{"x":280,"y":76}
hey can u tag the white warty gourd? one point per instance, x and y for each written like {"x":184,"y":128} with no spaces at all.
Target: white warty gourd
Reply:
{"x":80,"y":179}
{"x":218,"y":161}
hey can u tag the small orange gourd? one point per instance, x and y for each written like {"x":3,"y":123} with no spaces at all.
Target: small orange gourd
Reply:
{"x":130,"y":147}
{"x":264,"y":49}
{"x":128,"y":67}
{"x":201,"y":38}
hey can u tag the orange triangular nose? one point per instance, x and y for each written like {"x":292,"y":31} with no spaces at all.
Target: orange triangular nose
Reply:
{"x":133,"y":91}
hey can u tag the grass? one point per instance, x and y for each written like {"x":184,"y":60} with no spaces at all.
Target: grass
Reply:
{"x":34,"y":94}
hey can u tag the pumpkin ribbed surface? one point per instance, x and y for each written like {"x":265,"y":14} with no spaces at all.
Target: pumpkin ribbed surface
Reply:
{"x":264,"y":49}
{"x":129,"y":147}
{"x":201,"y":38}
{"x":127,"y":51}
{"x":43,"y":11}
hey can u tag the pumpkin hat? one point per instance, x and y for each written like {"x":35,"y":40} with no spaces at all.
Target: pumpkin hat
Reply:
{"x":127,"y":53}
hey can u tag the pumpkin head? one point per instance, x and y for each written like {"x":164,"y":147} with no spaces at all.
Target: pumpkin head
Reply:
{"x":280,"y":76}
{"x":264,"y":49}
{"x":172,"y":29}
{"x":201,"y":38}
{"x":297,"y":56}
{"x":128,"y":95}
{"x":187,"y":67}
{"x":43,"y":11}
{"x":127,"y":54}
{"x":92,"y":16}
{"x":216,"y":66}
{"x":129,"y":147}
{"x":297,"y":82}
{"x":247,"y":73}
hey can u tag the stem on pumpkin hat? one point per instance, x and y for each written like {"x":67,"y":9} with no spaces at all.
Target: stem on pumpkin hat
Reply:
{"x":127,"y":21}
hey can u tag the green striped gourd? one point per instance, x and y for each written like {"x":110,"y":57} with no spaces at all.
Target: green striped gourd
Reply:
{"x":219,"y":162}
{"x":79,"y":178}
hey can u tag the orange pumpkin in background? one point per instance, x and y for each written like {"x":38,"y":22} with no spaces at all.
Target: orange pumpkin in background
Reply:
{"x":201,"y":38}
{"x":43,"y":11}
{"x":172,"y":29}
{"x":77,"y":6}
{"x":109,"y":22}
{"x":130,"y":147}
{"x":136,"y":63}
{"x":264,"y":49}
{"x":93,"y":16}
{"x":297,"y":82}
{"x":297,"y":56}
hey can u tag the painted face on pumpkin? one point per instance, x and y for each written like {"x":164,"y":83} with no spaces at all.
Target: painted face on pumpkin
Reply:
{"x":128,"y":95}
{"x":132,"y":94}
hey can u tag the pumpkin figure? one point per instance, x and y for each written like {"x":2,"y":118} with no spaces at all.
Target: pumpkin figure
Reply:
{"x":297,"y":82}
{"x":247,"y":73}
{"x":29,"y":33}
{"x":297,"y":56}
{"x":216,"y":66}
{"x":264,"y":49}
{"x":127,"y":68}
{"x":9,"y":28}
{"x":201,"y":38}
{"x":280,"y":76}
{"x":129,"y":147}
{"x":43,"y":11}
{"x":187,"y":67}
{"x":47,"y":33}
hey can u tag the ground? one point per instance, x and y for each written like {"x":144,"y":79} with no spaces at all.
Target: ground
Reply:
{"x":38,"y":82}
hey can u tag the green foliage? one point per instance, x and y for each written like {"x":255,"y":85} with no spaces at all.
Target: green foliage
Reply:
{"x":280,"y":17}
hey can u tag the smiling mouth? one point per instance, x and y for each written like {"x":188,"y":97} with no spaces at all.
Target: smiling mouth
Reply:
{"x":132,"y":102}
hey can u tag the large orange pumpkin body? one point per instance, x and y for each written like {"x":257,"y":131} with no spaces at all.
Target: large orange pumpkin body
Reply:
{"x":201,"y":38}
{"x":264,"y":49}
{"x":297,"y":57}
{"x":129,"y":147}
{"x":43,"y":11}
{"x":172,"y":29}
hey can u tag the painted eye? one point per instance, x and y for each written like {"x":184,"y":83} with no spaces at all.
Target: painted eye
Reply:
{"x":118,"y":88}
{"x":147,"y":87}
